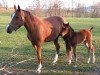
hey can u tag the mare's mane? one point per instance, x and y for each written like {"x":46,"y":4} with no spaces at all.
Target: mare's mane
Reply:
{"x":33,"y":17}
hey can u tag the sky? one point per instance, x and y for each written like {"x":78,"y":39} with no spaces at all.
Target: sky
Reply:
{"x":67,"y":3}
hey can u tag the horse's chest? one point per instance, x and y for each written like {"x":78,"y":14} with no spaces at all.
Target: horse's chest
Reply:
{"x":33,"y":39}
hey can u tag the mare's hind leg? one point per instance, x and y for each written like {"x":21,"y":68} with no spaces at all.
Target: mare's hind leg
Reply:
{"x":57,"y":50}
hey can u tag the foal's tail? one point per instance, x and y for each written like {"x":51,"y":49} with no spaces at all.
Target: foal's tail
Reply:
{"x":91,"y":28}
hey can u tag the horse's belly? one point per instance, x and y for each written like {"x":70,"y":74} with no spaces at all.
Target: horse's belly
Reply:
{"x":51,"y":38}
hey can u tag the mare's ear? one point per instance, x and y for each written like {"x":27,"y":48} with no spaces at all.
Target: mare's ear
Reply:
{"x":15,"y":7}
{"x":18,"y":8}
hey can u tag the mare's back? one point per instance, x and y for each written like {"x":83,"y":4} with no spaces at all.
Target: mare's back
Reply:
{"x":55,"y":20}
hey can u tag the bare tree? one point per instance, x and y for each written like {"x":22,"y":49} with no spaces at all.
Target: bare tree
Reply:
{"x":55,"y":8}
{"x":0,"y":5}
{"x":72,"y":7}
{"x":95,"y":10}
{"x":5,"y":4}
{"x":80,"y":10}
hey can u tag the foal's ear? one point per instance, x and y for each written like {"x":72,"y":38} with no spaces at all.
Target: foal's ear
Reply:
{"x":18,"y":8}
{"x":15,"y":7}
{"x":67,"y":24}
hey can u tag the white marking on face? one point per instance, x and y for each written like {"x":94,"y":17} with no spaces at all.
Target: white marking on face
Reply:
{"x":12,"y":16}
{"x":7,"y":27}
{"x":10,"y":20}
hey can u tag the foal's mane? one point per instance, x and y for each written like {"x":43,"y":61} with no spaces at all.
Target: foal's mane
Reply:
{"x":71,"y":32}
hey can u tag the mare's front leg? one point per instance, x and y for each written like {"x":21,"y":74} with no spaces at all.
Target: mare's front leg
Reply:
{"x":38,"y":50}
{"x":57,"y":51}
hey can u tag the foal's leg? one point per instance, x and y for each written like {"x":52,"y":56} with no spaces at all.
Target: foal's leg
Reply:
{"x":93,"y":56}
{"x":69,"y":54}
{"x":38,"y":50}
{"x":57,"y":51}
{"x":74,"y":52}
{"x":88,"y":52}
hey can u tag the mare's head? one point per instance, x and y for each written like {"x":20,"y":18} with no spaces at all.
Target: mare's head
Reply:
{"x":16,"y":20}
{"x":66,"y":29}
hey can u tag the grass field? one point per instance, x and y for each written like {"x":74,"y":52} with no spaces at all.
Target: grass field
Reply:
{"x":15,"y":48}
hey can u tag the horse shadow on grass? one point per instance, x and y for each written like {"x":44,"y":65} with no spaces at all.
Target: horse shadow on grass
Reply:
{"x":19,"y":66}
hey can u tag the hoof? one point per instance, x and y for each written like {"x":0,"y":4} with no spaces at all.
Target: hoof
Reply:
{"x":93,"y":62}
{"x":53,"y":62}
{"x":75,"y":66}
{"x":69,"y":62}
{"x":88,"y":61}
{"x":38,"y":71}
{"x":39,"y":68}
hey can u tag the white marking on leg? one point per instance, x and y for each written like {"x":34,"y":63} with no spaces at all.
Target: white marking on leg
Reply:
{"x":39,"y":68}
{"x":69,"y":62}
{"x":75,"y":66}
{"x":87,"y":45}
{"x":89,"y":55}
{"x":93,"y":60}
{"x":88,"y":60}
{"x":55,"y":59}
{"x":70,"y":57}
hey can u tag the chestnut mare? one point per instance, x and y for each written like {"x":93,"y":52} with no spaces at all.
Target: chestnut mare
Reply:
{"x":73,"y":38}
{"x":38,"y":30}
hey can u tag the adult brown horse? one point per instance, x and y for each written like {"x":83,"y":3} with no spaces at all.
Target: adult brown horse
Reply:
{"x":38,"y":30}
{"x":73,"y":38}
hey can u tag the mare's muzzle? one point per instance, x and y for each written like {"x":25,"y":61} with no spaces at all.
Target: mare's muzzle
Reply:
{"x":10,"y":28}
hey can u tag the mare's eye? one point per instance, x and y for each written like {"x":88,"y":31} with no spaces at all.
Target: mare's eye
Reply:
{"x":16,"y":17}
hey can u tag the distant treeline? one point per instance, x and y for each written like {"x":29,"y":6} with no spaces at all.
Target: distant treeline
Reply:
{"x":56,"y":8}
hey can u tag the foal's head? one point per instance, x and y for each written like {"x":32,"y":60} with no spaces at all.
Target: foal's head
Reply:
{"x":16,"y":20}
{"x":65,"y":29}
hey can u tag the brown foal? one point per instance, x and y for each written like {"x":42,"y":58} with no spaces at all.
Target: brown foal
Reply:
{"x":73,"y":38}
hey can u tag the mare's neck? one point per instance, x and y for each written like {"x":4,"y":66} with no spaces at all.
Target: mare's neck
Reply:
{"x":29,"y":23}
